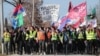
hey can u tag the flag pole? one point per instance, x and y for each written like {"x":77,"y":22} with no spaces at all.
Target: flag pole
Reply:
{"x":1,"y":23}
{"x":86,"y":12}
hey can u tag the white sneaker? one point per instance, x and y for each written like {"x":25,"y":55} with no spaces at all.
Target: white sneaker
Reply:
{"x":37,"y":53}
{"x":40,"y":53}
{"x":31,"y":53}
{"x":44,"y":53}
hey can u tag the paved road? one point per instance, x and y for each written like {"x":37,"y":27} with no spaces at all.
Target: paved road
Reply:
{"x":50,"y":55}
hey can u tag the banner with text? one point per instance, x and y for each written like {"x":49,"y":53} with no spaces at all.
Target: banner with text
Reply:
{"x":49,"y":12}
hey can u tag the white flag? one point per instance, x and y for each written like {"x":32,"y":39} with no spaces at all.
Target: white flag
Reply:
{"x":92,"y":22}
{"x":24,"y":13}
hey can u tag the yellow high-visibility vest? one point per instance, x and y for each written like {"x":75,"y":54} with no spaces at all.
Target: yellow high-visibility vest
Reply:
{"x":6,"y":36}
{"x":61,"y":38}
{"x":54,"y":36}
{"x":27,"y":37}
{"x":34,"y":34}
{"x":80,"y":36}
{"x":90,"y":35}
{"x":31,"y":34}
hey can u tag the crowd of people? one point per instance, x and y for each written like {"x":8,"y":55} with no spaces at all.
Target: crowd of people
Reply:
{"x":50,"y":40}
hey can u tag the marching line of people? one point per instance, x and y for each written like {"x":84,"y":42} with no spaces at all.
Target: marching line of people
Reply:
{"x":41,"y":40}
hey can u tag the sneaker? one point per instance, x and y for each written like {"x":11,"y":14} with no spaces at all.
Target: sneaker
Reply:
{"x":44,"y":53}
{"x":40,"y":53}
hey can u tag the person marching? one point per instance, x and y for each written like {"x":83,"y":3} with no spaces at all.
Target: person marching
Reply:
{"x":49,"y":45}
{"x":59,"y":41}
{"x":6,"y":38}
{"x":54,"y":39}
{"x":31,"y":39}
{"x":12,"y":41}
{"x":34,"y":39}
{"x":98,"y":38}
{"x":70,"y":42}
{"x":90,"y":37}
{"x":27,"y":44}
{"x":41,"y":40}
{"x":74,"y":40}
{"x":20,"y":41}
{"x":65,"y":41}
{"x":95,"y":42}
{"x":81,"y":44}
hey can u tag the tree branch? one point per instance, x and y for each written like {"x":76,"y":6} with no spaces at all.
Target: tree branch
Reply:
{"x":10,"y":3}
{"x":15,"y":1}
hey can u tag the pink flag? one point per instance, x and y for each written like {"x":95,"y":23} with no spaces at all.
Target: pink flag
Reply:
{"x":77,"y":14}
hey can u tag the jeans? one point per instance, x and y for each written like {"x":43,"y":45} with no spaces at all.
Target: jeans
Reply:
{"x":31,"y":42}
{"x":65,"y":47}
{"x":20,"y":47}
{"x":6,"y":47}
{"x":54,"y":46}
{"x":81,"y":46}
{"x":12,"y":47}
{"x":89,"y":46}
{"x":41,"y":46}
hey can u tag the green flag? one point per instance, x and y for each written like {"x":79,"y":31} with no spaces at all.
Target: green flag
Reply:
{"x":94,"y":11}
{"x":20,"y":19}
{"x":92,"y":15}
{"x":89,"y":17}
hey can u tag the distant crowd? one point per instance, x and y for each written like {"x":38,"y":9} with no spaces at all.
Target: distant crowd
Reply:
{"x":50,"y":40}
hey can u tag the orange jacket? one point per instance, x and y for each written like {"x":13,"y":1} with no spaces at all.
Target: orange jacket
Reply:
{"x":40,"y":35}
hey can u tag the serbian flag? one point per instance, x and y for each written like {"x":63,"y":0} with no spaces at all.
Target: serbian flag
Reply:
{"x":22,"y":10}
{"x":19,"y":13}
{"x":19,"y":9}
{"x":77,"y":14}
{"x":62,"y":23}
{"x":64,"y":20}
